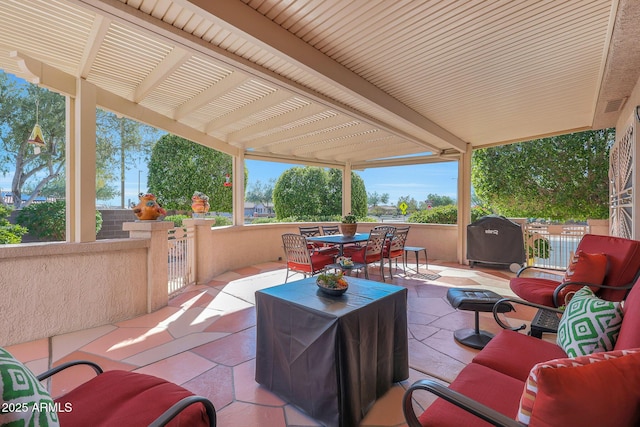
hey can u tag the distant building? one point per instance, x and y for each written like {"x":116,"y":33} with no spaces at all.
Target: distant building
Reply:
{"x":7,"y":197}
{"x":258,"y":210}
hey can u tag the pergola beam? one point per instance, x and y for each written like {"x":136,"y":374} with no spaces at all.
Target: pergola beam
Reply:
{"x":270,"y":36}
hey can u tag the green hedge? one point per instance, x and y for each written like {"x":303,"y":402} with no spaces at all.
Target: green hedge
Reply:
{"x":447,"y":214}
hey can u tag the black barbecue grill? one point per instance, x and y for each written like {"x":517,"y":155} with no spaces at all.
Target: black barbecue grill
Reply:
{"x":495,"y":240}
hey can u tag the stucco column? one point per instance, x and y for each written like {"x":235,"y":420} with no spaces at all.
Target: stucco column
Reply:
{"x":157,"y":259}
{"x":199,"y":228}
{"x":81,"y":163}
{"x":238,"y":189}
{"x":464,"y":202}
{"x":346,"y":189}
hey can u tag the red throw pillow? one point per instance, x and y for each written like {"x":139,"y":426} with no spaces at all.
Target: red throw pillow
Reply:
{"x":596,"y":390}
{"x":585,"y":268}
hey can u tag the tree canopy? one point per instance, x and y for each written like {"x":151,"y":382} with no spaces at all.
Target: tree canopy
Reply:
{"x":316,"y":192}
{"x":21,"y":106}
{"x":120,"y":144}
{"x":560,"y":177}
{"x":261,"y":192}
{"x":179,"y":167}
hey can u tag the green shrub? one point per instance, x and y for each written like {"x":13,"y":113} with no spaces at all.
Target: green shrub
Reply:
{"x":9,"y":233}
{"x":177,"y":219}
{"x":222,"y":221}
{"x":447,"y":214}
{"x":47,"y":221}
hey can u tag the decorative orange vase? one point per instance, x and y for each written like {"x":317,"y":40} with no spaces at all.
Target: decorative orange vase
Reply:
{"x":148,"y":208}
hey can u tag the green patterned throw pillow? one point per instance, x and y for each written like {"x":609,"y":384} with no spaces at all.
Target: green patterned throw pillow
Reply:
{"x":25,"y":401}
{"x":589,"y":324}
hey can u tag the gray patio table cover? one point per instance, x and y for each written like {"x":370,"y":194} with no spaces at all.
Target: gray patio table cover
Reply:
{"x":332,"y":356}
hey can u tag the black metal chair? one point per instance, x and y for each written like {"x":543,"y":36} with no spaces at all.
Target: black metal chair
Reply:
{"x":301,"y":259}
{"x":329,"y":230}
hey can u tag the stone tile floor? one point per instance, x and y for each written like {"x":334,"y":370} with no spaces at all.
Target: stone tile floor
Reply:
{"x":205,"y":341}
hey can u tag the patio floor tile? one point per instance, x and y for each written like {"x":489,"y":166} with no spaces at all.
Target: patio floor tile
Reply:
{"x":205,"y":340}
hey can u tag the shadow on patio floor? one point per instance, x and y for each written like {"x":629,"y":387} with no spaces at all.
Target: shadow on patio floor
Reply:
{"x":205,"y":340}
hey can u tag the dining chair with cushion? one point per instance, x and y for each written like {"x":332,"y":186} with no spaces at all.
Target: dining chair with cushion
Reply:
{"x":329,"y":230}
{"x":371,"y":252}
{"x":394,"y":248}
{"x":301,"y":259}
{"x":311,"y":231}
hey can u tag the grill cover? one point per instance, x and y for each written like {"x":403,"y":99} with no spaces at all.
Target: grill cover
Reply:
{"x":496,"y":240}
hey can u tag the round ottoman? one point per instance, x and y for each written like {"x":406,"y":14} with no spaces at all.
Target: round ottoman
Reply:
{"x":475,"y":300}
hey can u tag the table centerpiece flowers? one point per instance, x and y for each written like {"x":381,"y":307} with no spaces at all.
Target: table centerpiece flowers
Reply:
{"x":332,"y":283}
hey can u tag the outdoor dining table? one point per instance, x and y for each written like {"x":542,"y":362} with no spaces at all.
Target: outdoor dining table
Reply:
{"x":340,"y":240}
{"x":332,"y":356}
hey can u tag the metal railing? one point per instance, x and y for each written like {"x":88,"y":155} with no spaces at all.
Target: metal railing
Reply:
{"x":562,"y":242}
{"x":180,"y":252}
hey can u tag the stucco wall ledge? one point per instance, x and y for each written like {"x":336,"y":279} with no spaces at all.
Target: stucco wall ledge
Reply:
{"x":66,"y":248}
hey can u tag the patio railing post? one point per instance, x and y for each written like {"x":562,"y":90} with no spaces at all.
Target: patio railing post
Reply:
{"x":199,"y":228}
{"x":157,"y":262}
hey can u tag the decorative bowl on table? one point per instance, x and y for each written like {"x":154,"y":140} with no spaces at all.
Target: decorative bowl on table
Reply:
{"x":332,"y":283}
{"x":345,"y":262}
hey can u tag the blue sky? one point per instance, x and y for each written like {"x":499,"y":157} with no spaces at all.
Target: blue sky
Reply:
{"x":416,"y":181}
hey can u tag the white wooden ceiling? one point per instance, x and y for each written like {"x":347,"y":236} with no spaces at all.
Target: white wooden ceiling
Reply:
{"x":336,"y":81}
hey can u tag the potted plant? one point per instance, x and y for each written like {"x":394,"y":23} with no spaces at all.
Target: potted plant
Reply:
{"x":348,"y":225}
{"x":537,"y":247}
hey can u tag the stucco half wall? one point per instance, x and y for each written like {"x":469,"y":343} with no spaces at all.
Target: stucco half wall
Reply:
{"x":221,"y":249}
{"x":54,"y":288}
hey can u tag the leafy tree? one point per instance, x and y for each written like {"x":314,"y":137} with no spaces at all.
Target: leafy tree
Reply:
{"x":437,"y":200}
{"x":179,"y":167}
{"x":358,"y":194}
{"x":56,"y":188}
{"x":261,"y":192}
{"x":9,"y":233}
{"x":374,"y":199}
{"x":301,"y":191}
{"x":21,"y":105}
{"x":120,"y":144}
{"x":47,"y":220}
{"x":304,"y":192}
{"x":561,"y":177}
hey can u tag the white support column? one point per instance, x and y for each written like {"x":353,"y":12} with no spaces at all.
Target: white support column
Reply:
{"x":464,"y":202}
{"x":83,"y":173}
{"x":70,"y":168}
{"x":238,"y":189}
{"x":346,"y":189}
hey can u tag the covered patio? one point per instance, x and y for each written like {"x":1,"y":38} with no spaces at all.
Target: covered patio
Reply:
{"x":205,"y":340}
{"x":345,"y":85}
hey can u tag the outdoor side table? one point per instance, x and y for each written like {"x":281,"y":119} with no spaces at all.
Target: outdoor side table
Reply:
{"x":332,"y":357}
{"x":475,"y":300}
{"x":416,"y":250}
{"x":357,"y":266}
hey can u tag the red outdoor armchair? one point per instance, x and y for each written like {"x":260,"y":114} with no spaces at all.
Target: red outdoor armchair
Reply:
{"x":123,"y":398}
{"x":622,"y":267}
